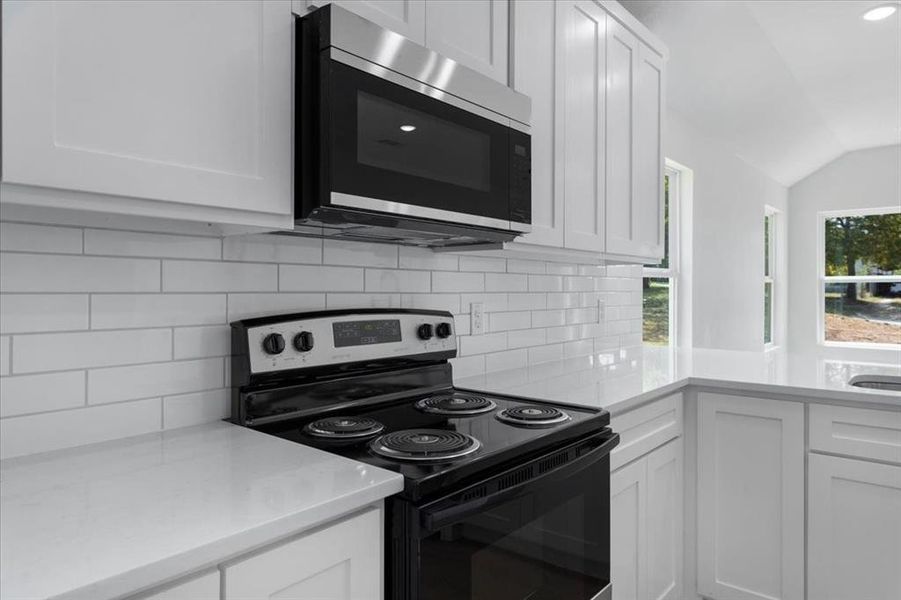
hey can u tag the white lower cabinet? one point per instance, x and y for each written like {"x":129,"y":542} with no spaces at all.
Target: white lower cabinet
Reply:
{"x":203,"y":587}
{"x":750,"y":515}
{"x":854,"y":529}
{"x":340,"y":562}
{"x":646,"y":526}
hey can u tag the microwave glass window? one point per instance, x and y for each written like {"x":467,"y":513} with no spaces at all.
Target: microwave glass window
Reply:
{"x":397,"y":138}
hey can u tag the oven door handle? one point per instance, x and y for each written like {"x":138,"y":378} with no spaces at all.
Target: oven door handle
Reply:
{"x":448,"y":512}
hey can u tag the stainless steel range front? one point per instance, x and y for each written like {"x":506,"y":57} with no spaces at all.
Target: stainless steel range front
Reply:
{"x":396,"y":143}
{"x":505,"y":498}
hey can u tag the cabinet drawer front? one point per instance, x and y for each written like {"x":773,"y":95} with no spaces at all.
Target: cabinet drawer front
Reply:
{"x":860,"y":432}
{"x":645,"y":428}
{"x":203,"y":587}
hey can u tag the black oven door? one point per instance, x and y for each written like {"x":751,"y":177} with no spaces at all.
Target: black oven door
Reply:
{"x":539,"y":531}
{"x":394,"y":148}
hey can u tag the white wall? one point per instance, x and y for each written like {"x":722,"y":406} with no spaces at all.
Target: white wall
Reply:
{"x":863,"y":179}
{"x":107,"y":333}
{"x":727,"y":247}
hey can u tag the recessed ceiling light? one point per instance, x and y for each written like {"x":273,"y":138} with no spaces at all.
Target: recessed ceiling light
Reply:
{"x":880,"y":12}
{"x":408,"y":128}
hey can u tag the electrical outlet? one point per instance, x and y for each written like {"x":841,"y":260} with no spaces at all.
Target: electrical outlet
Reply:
{"x":602,"y":312}
{"x":477,"y":318}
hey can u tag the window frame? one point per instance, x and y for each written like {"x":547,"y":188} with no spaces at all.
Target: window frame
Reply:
{"x":822,"y":279}
{"x":770,"y":270}
{"x":671,"y":248}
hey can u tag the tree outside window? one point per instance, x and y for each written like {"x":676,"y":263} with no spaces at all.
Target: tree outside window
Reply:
{"x":861,"y":278}
{"x":658,"y":294}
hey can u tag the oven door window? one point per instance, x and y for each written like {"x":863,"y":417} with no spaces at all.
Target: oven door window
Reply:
{"x":394,"y":144}
{"x":551,"y":543}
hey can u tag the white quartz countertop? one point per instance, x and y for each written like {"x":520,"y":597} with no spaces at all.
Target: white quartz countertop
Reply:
{"x":627,"y":378}
{"x":109,"y":519}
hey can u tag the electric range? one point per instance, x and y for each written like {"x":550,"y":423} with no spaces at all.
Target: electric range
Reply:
{"x":504,"y":497}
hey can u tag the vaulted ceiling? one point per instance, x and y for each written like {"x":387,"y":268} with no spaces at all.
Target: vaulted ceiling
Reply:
{"x":790,"y":85}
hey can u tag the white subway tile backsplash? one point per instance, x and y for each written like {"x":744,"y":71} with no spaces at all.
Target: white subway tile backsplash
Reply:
{"x":194,"y":409}
{"x":545,"y":283}
{"x":446,"y":281}
{"x":481,"y":263}
{"x":5,"y":355}
{"x":245,"y":306}
{"x":128,"y":311}
{"x":506,"y":282}
{"x":197,"y":276}
{"x":423,"y":258}
{"x":359,"y":254}
{"x":68,"y":428}
{"x":60,"y":351}
{"x":307,"y":278}
{"x":160,"y":379}
{"x":31,"y":313}
{"x":510,"y":359}
{"x":132,"y":243}
{"x":394,"y":280}
{"x":41,"y":393}
{"x":65,"y":273}
{"x":482,"y":344}
{"x":202,"y":342}
{"x":40,"y":238}
{"x":272,"y":248}
{"x":504,"y":321}
{"x":86,"y":336}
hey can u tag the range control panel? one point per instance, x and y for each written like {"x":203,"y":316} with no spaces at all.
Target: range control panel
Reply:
{"x":333,"y":340}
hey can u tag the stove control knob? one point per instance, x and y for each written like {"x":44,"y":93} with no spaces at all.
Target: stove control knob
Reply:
{"x":424,"y":332}
{"x":303,"y":341}
{"x":274,"y":343}
{"x":443,"y":330}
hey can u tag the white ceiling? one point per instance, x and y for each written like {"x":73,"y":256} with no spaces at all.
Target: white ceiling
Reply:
{"x":790,"y":85}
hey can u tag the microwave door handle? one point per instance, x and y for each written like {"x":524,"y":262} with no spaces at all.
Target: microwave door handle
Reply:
{"x":434,"y":519}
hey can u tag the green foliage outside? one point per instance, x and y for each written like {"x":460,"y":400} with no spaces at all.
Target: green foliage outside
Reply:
{"x":655,"y":306}
{"x":867,"y":245}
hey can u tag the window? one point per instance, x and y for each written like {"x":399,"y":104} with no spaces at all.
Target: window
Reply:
{"x":659,"y":283}
{"x":769,"y":275}
{"x":860,"y":280}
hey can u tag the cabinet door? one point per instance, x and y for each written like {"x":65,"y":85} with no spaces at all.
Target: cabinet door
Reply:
{"x":533,"y":74}
{"x":628,"y":533}
{"x":406,"y":17}
{"x":581,"y":29}
{"x":184,"y":102}
{"x":648,"y":203}
{"x":854,"y":529}
{"x":750,"y":498}
{"x":205,"y":587}
{"x":471,"y":32}
{"x":664,"y":515}
{"x":340,"y":562}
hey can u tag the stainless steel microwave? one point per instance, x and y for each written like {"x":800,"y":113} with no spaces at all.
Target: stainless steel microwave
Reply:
{"x":395,"y":143}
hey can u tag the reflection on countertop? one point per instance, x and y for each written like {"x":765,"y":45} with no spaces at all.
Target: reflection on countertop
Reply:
{"x":632,"y":376}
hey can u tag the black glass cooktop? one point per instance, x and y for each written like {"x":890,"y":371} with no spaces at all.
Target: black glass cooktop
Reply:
{"x":499,"y":441}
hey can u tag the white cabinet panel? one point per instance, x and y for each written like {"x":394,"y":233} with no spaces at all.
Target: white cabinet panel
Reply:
{"x":646,"y":526}
{"x":750,"y":498}
{"x":648,"y":203}
{"x":628,"y":534}
{"x":859,"y":432}
{"x":581,"y":31}
{"x":204,"y":587}
{"x":645,"y":428}
{"x":534,"y":58}
{"x":340,"y":562}
{"x":664,"y":515}
{"x":471,"y":32}
{"x":406,"y":17}
{"x":854,"y":528}
{"x":183,"y":102}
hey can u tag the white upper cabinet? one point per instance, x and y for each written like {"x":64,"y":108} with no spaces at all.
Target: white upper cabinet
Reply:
{"x":406,"y":17}
{"x":533,"y":59}
{"x":474,"y":33}
{"x":187,"y":103}
{"x":750,"y":498}
{"x":581,"y":33}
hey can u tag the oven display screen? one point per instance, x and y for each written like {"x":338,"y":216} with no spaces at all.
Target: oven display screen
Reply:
{"x":363,"y":333}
